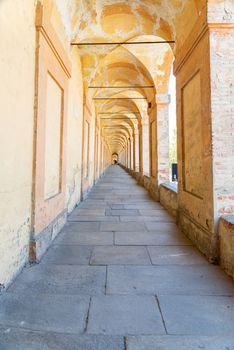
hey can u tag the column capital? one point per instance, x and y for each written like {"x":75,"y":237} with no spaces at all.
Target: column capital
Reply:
{"x":136,"y":131}
{"x":164,"y":99}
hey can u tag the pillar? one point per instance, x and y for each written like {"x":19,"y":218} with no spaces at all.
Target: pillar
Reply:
{"x":129,"y":154}
{"x":136,"y":150}
{"x":204,"y":69}
{"x":145,"y":146}
{"x":132,"y":153}
{"x":140,"y":152}
{"x":162,"y":124}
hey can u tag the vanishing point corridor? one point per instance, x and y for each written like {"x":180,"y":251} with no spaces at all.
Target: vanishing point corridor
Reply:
{"x":119,"y":276}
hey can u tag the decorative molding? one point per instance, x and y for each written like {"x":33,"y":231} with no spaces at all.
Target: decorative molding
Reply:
{"x":199,"y":30}
{"x":189,"y":46}
{"x":221,"y":26}
{"x":44,"y":26}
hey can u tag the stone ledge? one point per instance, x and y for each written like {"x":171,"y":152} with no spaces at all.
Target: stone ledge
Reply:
{"x":172,"y":186}
{"x":168,"y":197}
{"x":226,"y":244}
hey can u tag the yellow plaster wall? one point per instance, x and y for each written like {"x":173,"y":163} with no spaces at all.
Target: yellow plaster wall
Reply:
{"x":17,"y":47}
{"x":185,"y":20}
{"x":74,"y":132}
{"x":92,"y":147}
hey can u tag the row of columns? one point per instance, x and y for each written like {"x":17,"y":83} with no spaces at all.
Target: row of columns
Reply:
{"x":147,"y":152}
{"x":204,"y":69}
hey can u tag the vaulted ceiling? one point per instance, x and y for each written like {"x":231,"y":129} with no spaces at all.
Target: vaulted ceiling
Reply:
{"x":122,"y":79}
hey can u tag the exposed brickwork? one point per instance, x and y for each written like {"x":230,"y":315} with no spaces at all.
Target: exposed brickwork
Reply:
{"x":163,"y":142}
{"x":222,"y":116}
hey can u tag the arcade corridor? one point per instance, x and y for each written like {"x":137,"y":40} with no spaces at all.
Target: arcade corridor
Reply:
{"x":116,"y":175}
{"x":119,"y":276}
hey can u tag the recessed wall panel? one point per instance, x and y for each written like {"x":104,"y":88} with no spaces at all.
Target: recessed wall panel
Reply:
{"x":53,"y":126}
{"x":192,"y":137}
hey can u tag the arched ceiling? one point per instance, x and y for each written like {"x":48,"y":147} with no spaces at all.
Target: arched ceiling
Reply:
{"x":111,"y":20}
{"x":130,"y":75}
{"x":133,"y":76}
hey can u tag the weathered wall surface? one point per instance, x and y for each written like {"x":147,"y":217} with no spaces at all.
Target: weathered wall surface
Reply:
{"x":74,"y":130}
{"x":220,"y":11}
{"x":17,"y":47}
{"x":222,"y":116}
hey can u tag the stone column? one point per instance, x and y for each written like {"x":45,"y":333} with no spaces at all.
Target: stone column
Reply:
{"x":129,"y":154}
{"x":140,"y":152}
{"x":132,"y":153}
{"x":159,"y":143}
{"x":204,"y":69}
{"x":126,"y":156}
{"x":145,"y":146}
{"x":162,"y":138}
{"x":136,"y":150}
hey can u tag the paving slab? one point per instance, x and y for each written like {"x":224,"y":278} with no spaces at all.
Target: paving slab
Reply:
{"x":93,"y":218}
{"x":168,"y":280}
{"x":175,"y":255}
{"x":81,"y":227}
{"x":122,"y":212}
{"x":138,"y":196}
{"x":101,"y":191}
{"x":198,"y":315}
{"x":162,"y":227}
{"x":93,"y":204}
{"x":153,"y":212}
{"x":131,"y":191}
{"x":120,"y":255}
{"x":180,"y":343}
{"x":122,"y":226}
{"x":88,"y":212}
{"x":123,"y":315}
{"x":147,"y":219}
{"x":130,"y":201}
{"x":144,"y":205}
{"x":86,"y":238}
{"x":61,"y":279}
{"x":117,"y":206}
{"x":68,"y":255}
{"x":16,"y":339}
{"x":151,"y":238}
{"x":45,"y":312}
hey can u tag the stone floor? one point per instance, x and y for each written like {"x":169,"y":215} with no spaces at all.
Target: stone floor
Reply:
{"x":119,"y":277}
